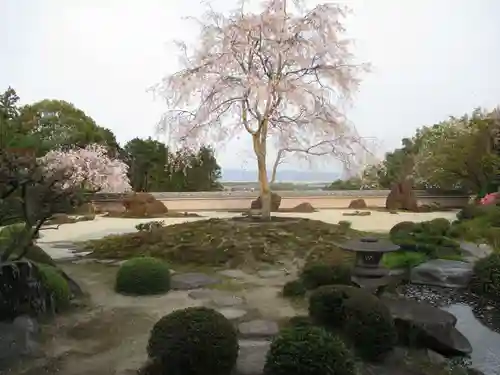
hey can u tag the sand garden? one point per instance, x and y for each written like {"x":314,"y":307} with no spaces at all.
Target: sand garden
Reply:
{"x":105,"y":332}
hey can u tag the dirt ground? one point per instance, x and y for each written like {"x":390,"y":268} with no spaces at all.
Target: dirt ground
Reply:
{"x":107,"y":333}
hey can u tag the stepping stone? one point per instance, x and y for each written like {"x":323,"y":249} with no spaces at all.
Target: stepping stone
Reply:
{"x":258,"y":328}
{"x":216,"y":297}
{"x":187,"y":281}
{"x":234,"y":274}
{"x":252,"y":357}
{"x":232,"y":314}
{"x":269,"y":274}
{"x":227,"y":301}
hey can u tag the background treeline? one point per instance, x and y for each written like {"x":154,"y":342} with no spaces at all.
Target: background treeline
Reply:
{"x":459,"y":154}
{"x":50,"y":124}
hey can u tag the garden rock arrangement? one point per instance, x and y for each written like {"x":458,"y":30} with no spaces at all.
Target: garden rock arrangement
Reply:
{"x":275,"y":203}
{"x":443,"y":272}
{"x":402,"y":197}
{"x":358,"y":204}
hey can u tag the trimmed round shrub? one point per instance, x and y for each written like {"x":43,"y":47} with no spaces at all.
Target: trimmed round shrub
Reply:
{"x":402,"y":227}
{"x":56,"y":285}
{"x":359,"y":315}
{"x":327,"y":305}
{"x":471,"y":211}
{"x":369,"y":326}
{"x":194,"y":341}
{"x":299,"y":321}
{"x":315,"y":275}
{"x":438,"y":227}
{"x":294,"y":288}
{"x":143,"y":276}
{"x":485,"y":280}
{"x":308,"y":351}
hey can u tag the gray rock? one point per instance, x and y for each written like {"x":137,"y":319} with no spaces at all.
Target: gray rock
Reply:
{"x":442,"y":272}
{"x":429,"y":325}
{"x":252,"y":357}
{"x":17,"y":340}
{"x":234,"y":274}
{"x":232,"y":314}
{"x":203,"y":294}
{"x":258,"y":328}
{"x":186,"y":281}
{"x":474,"y":251}
{"x":435,"y":358}
{"x":227,"y":301}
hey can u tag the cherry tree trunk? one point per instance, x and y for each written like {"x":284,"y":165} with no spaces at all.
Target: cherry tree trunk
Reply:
{"x":265,"y":190}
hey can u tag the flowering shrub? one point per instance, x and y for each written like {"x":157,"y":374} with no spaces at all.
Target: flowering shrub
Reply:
{"x":90,"y":168}
{"x":489,"y":199}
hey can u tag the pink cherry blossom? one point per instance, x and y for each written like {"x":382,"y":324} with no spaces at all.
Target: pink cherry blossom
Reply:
{"x":89,"y":167}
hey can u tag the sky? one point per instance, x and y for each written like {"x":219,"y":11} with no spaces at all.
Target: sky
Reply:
{"x":430,"y":59}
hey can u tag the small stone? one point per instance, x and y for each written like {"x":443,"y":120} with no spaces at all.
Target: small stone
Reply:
{"x":252,"y":357}
{"x":227,"y":301}
{"x":187,"y":281}
{"x":258,"y":328}
{"x":232,"y":314}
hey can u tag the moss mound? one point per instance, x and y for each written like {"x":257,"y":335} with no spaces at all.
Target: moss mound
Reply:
{"x":143,"y":276}
{"x":230,"y":242}
{"x":308,"y":350}
{"x":360,"y":316}
{"x":486,"y":278}
{"x":294,"y":288}
{"x":56,"y":285}
{"x":195,"y":341}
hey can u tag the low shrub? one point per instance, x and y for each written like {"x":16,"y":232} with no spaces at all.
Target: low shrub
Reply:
{"x":56,"y":285}
{"x":143,"y":276}
{"x":402,"y":227}
{"x":150,"y":225}
{"x":308,"y":351}
{"x":194,"y":341}
{"x":438,"y":226}
{"x":294,"y":288}
{"x":360,"y":316}
{"x":403,"y":259}
{"x":486,"y":277}
{"x":299,"y":321}
{"x":470,"y":211}
{"x":316,"y":275}
{"x":345,"y":224}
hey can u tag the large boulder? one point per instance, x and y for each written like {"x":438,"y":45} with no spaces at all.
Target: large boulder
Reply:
{"x":275,"y":203}
{"x":402,"y":197}
{"x":143,"y":205}
{"x":442,"y":272}
{"x":304,"y":207}
{"x":358,"y":204}
{"x":17,"y":340}
{"x":424,"y":324}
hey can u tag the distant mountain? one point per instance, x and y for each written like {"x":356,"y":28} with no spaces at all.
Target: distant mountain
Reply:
{"x":240,"y":175}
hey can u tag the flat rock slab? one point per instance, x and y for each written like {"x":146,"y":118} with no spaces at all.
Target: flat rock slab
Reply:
{"x":270,"y":274}
{"x":187,"y":281}
{"x":429,"y":326}
{"x":442,"y":272}
{"x":234,"y":274}
{"x":252,"y":357}
{"x":231,"y":313}
{"x":258,"y":328}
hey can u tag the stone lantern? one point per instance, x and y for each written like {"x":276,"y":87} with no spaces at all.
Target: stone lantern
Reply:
{"x":368,"y":272}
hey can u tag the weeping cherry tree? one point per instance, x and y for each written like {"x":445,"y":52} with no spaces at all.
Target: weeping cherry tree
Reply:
{"x":281,"y":75}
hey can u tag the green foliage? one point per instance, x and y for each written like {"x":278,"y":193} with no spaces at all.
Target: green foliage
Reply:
{"x":153,"y":167}
{"x":316,"y":275}
{"x":402,"y":227}
{"x":403,"y":259}
{"x":150,"y":226}
{"x":143,"y":276}
{"x":308,"y":351}
{"x":345,"y":224}
{"x":294,"y":288}
{"x":360,"y":316}
{"x":486,"y":277}
{"x":55,"y":284}
{"x":438,"y":226}
{"x":470,"y":211}
{"x":351,"y":184}
{"x":194,"y":341}
{"x":299,"y":321}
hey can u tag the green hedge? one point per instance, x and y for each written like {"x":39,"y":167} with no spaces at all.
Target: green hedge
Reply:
{"x":143,"y":276}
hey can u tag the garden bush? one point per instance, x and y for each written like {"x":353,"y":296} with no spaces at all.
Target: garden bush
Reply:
{"x":55,"y":284}
{"x":143,"y":276}
{"x":360,"y":316}
{"x":486,"y":277}
{"x":194,"y":341}
{"x":316,"y":275}
{"x":294,"y":288}
{"x":470,"y":211}
{"x":150,"y":225}
{"x":402,"y":227}
{"x":299,"y":321}
{"x":403,"y":259}
{"x":308,"y":351}
{"x":439,"y":226}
